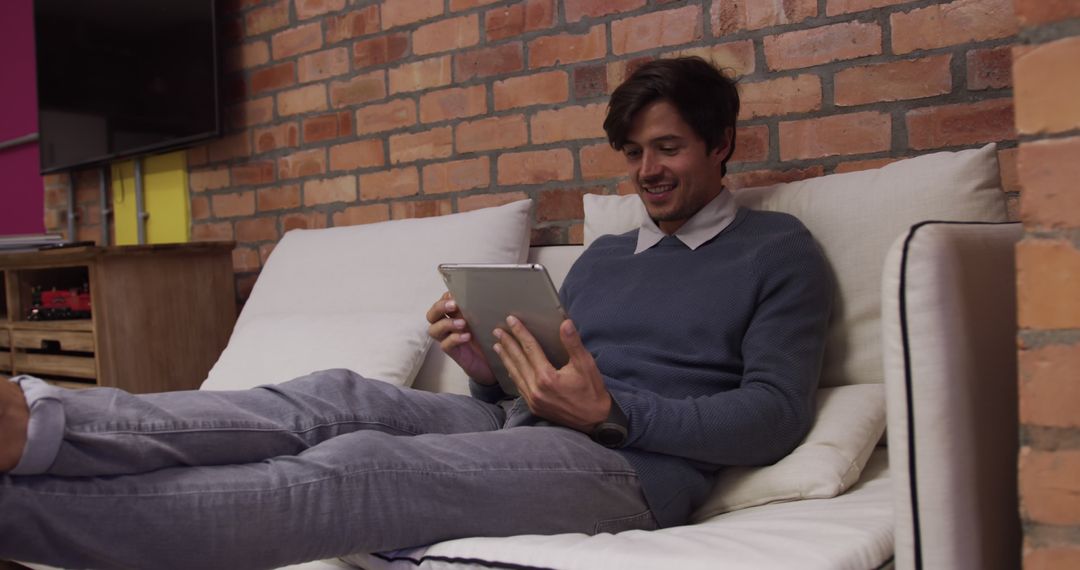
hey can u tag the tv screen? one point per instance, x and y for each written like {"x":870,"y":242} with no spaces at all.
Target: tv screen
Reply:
{"x":118,"y":78}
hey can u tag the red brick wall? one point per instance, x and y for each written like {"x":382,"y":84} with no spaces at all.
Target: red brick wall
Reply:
{"x":1047,"y":71}
{"x":344,"y":113}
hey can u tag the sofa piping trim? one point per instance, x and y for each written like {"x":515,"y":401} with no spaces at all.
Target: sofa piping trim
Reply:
{"x":456,"y":560}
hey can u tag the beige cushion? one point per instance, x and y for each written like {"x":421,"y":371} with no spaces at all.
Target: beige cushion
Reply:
{"x":855,"y":217}
{"x":850,"y":420}
{"x":356,"y":296}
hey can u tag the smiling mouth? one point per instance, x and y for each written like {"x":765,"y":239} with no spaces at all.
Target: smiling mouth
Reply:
{"x":659,"y":189}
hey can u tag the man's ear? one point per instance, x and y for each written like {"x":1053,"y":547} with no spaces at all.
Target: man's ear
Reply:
{"x":723,"y":150}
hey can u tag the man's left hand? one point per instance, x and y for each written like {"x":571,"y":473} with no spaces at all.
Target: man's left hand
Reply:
{"x":573,"y":396}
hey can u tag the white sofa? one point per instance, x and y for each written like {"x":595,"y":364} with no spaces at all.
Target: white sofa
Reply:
{"x":924,"y":327}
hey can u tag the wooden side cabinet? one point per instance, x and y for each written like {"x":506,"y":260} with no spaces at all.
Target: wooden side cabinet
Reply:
{"x":160,"y":315}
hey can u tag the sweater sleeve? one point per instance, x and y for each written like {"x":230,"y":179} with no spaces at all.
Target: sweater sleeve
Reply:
{"x":771,"y":410}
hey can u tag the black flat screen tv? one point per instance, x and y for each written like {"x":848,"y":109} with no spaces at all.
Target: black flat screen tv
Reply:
{"x":118,"y":78}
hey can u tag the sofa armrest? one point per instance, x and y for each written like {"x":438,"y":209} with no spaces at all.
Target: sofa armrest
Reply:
{"x":949,"y":333}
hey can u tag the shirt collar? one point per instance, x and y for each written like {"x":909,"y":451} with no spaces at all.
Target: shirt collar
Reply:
{"x":709,"y":221}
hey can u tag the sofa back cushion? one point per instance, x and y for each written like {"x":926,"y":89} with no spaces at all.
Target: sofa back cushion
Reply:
{"x":855,"y":217}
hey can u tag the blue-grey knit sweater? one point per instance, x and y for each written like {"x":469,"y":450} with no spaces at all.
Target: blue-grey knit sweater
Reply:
{"x":713,"y":354}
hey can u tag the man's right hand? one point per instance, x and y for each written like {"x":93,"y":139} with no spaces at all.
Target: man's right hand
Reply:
{"x":449,"y":329}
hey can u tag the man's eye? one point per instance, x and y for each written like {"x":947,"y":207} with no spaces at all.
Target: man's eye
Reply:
{"x":632,"y":153}
{"x":669,"y":149}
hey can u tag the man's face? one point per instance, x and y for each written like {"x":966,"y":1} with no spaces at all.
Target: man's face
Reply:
{"x":669,"y":166}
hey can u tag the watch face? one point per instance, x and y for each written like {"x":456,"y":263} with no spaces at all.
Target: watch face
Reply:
{"x":610,"y":435}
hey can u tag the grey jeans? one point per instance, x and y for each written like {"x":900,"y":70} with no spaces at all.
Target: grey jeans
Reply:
{"x":321,"y":466}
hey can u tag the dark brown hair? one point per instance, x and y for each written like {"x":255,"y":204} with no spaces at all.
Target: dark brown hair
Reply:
{"x":706,"y":99}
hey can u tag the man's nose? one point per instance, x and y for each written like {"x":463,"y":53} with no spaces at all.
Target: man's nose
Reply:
{"x":650,"y":166}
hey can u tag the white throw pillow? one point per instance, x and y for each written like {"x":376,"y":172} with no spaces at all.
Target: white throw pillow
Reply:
{"x":849,"y":423}
{"x":855,"y":217}
{"x":370,"y":285}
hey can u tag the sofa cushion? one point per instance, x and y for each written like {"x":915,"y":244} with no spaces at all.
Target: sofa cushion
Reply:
{"x":342,"y":287}
{"x":855,"y":217}
{"x":849,"y":422}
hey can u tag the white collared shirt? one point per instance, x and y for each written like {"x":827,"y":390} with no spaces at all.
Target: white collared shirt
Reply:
{"x":709,"y":221}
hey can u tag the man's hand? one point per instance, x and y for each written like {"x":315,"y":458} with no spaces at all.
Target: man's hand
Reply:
{"x":573,"y":396}
{"x":450,"y":330}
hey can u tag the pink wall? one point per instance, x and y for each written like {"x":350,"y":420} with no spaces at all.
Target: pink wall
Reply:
{"x":22,"y":191}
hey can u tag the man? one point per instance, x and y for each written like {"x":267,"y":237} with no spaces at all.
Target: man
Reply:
{"x":695,"y":342}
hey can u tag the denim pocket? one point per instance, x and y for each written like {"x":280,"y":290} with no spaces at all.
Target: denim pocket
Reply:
{"x":641,"y":521}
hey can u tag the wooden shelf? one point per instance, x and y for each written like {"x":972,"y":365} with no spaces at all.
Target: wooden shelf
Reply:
{"x":161,"y":315}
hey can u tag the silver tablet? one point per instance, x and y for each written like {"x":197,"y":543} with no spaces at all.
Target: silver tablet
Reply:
{"x":487,"y":294}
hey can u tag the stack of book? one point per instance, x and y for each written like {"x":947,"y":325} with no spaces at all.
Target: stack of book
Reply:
{"x":28,"y":242}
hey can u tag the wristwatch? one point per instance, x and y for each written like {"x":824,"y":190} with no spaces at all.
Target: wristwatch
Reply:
{"x":612,"y":431}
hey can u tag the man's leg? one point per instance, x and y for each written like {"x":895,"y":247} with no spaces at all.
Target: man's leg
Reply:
{"x":110,"y":432}
{"x":360,"y":492}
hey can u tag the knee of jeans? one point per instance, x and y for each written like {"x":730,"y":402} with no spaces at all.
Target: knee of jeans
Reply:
{"x":640,"y":521}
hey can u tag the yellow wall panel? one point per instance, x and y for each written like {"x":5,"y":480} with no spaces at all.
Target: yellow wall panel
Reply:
{"x":165,"y":199}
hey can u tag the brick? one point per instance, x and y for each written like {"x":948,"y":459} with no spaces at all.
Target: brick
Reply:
{"x":340,"y":189}
{"x":751,"y":144}
{"x":273,"y":78}
{"x":328,"y":126}
{"x":380,"y":50}
{"x":601,"y":161}
{"x":1047,"y":87}
{"x":1055,"y":557}
{"x":276,"y":137}
{"x":360,"y":89}
{"x":781,"y":96}
{"x":302,"y":163}
{"x":245,"y":259}
{"x":324,"y":64}
{"x":961,"y":124}
{"x":1050,"y":486}
{"x":893,"y":81}
{"x":433,"y":72}
{"x":251,"y":113}
{"x":1047,"y":273}
{"x":837,"y":7}
{"x":256,"y":229}
{"x":484,"y":62}
{"x":212,"y":179}
{"x":1049,"y":391}
{"x":589,"y":81}
{"x":576,"y":234}
{"x":562,"y":204}
{"x":356,"y":23}
{"x":1049,"y":170}
{"x":392,"y":183}
{"x":548,"y":234}
{"x":952,"y":23}
{"x":1035,"y":12}
{"x":356,"y":215}
{"x":457,"y":175}
{"x":868,"y":164}
{"x":267,"y":18}
{"x":730,"y":16}
{"x":854,"y":133}
{"x":278,"y":198}
{"x":297,"y":40}
{"x":1010,"y":177}
{"x":478,"y":201}
{"x":420,"y":209}
{"x":576,"y":10}
{"x":253,"y":173}
{"x":435,"y":143}
{"x":401,"y":12}
{"x":265,"y":250}
{"x":539,"y":89}
{"x":307,"y":9}
{"x":535,"y":167}
{"x":234,"y":204}
{"x":462,"y":5}
{"x":516,"y":19}
{"x":656,"y":29}
{"x":200,"y":207}
{"x":445,"y":35}
{"x":212,"y":231}
{"x":230,"y":147}
{"x":989,"y":68}
{"x":302,"y":100}
{"x":568,"y":123}
{"x":366,"y":153}
{"x":815,"y":46}
{"x":386,"y":116}
{"x":755,"y":178}
{"x":247,"y":55}
{"x":491,"y":133}
{"x":564,"y":49}
{"x":453,"y":103}
{"x":303,"y":221}
{"x":735,"y":59}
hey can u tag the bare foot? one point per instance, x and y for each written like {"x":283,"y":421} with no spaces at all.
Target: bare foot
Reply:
{"x":14,"y":417}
